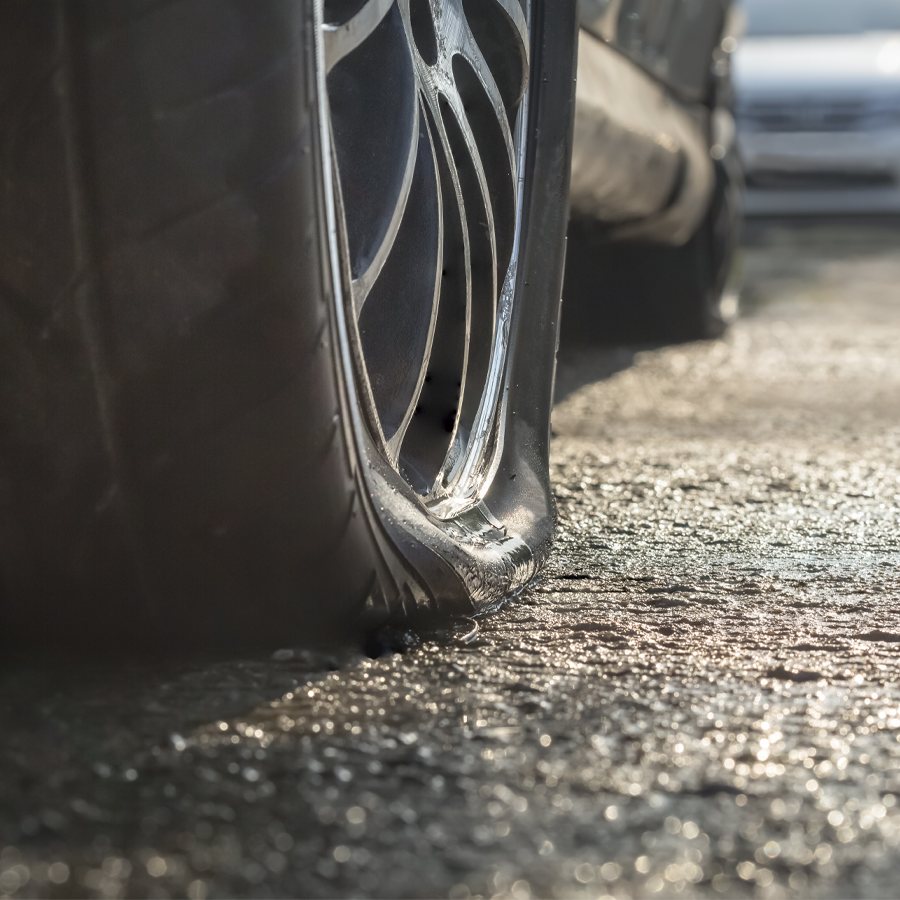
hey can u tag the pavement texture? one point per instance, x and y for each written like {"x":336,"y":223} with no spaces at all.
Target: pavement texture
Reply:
{"x":701,"y":697}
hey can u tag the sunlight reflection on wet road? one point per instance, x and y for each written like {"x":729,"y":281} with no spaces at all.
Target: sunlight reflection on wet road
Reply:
{"x":700,"y":698}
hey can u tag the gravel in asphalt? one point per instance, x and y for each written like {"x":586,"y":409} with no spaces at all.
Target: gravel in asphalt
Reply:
{"x":700,"y":698}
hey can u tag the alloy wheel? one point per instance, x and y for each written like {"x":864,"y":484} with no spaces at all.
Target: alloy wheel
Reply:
{"x":427,"y":102}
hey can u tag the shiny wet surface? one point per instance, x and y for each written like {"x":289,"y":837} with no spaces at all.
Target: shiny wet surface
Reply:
{"x":700,"y":698}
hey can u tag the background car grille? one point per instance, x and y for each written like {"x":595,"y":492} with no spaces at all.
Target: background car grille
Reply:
{"x":824,"y":180}
{"x":799,"y":115}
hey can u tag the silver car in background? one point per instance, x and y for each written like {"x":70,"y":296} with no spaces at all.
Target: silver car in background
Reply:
{"x":817,"y":84}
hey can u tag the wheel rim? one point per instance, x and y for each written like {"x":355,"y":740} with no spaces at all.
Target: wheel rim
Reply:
{"x":427,"y":102}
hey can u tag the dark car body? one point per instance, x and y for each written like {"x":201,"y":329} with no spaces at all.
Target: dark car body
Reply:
{"x":653,"y":157}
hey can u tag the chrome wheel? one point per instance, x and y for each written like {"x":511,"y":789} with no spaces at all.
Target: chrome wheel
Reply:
{"x":427,"y":109}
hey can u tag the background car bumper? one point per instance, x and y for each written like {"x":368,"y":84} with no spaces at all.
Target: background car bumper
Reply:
{"x":860,"y":201}
{"x":821,"y":173}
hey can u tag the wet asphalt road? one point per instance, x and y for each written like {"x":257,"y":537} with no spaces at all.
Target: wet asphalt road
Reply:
{"x":700,"y":698}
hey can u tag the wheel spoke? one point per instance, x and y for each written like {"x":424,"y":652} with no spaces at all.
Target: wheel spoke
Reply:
{"x":343,"y":39}
{"x":455,"y":198}
{"x":513,"y":9}
{"x":363,"y":285}
{"x":468,"y":471}
{"x":394,"y":445}
{"x":455,"y":103}
{"x":473,"y":56}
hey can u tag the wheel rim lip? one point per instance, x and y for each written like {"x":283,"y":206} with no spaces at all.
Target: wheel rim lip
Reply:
{"x":463,"y":483}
